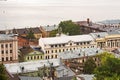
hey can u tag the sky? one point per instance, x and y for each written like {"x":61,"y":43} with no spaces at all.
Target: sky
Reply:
{"x":34,"y":13}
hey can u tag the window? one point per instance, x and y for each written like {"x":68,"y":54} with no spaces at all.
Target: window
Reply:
{"x":6,"y":58}
{"x":6,"y":51}
{"x":77,"y":43}
{"x":45,"y":57}
{"x":63,"y":44}
{"x":31,"y":57}
{"x":48,"y":57}
{"x":37,"y":57}
{"x":41,"y":57}
{"x":51,"y":46}
{"x":46,"y":51}
{"x":10,"y":51}
{"x":2,"y":46}
{"x":10,"y":45}
{"x":59,"y":50}
{"x":52,"y":51}
{"x":2,"y":59}
{"x":71,"y":44}
{"x":63,"y":50}
{"x":55,"y":45}
{"x":52,"y":56}
{"x":6,"y":45}
{"x":34,"y":57}
{"x":55,"y":56}
{"x":2,"y":51}
{"x":28,"y":58}
{"x":84,"y":43}
{"x":56,"y":51}
{"x":88,"y":42}
{"x":10,"y":58}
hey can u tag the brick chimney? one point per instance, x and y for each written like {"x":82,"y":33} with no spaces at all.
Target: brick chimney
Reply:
{"x":88,"y":21}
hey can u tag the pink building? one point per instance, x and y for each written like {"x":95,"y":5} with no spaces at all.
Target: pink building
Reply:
{"x":8,"y":48}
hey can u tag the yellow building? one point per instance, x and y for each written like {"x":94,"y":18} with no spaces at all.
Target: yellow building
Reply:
{"x":107,"y":41}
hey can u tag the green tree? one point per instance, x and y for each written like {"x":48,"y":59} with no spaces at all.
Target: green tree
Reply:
{"x":69,"y":27}
{"x":3,"y":75}
{"x":53,"y":33}
{"x":109,"y":68}
{"x":89,"y":66}
{"x":30,"y":35}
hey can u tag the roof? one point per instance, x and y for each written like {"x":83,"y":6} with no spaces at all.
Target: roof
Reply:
{"x":66,"y":39}
{"x":36,"y":30}
{"x":31,"y":66}
{"x":98,"y":26}
{"x":79,"y":53}
{"x":99,"y":35}
{"x":50,"y":28}
{"x":6,"y":37}
{"x":26,"y":50}
{"x":21,"y":31}
{"x":63,"y":71}
{"x":86,"y":76}
{"x":29,"y":78}
{"x":114,"y":32}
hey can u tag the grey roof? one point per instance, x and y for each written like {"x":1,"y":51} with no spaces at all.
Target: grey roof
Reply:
{"x":87,"y":76}
{"x":101,"y":27}
{"x":6,"y":37}
{"x":79,"y":53}
{"x":29,"y":78}
{"x":50,"y":28}
{"x":99,"y":35}
{"x":63,"y":71}
{"x":114,"y":32}
{"x":21,"y":31}
{"x":35,"y":30}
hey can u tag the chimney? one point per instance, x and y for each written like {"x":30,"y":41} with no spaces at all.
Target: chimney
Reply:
{"x":88,"y":21}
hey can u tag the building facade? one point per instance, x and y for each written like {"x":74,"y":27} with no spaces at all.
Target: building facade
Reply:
{"x":54,"y":45}
{"x":8,"y":48}
{"x":30,"y":54}
{"x":107,"y":41}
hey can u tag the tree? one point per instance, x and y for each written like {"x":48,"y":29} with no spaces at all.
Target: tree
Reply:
{"x":53,"y":33}
{"x":30,"y":35}
{"x":70,"y":27}
{"x":109,"y":68}
{"x":3,"y":75}
{"x":89,"y":66}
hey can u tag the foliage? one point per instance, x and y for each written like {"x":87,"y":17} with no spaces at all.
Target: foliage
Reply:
{"x":89,"y":66}
{"x":74,"y":78}
{"x":69,"y":27}
{"x":53,"y":33}
{"x":30,"y":35}
{"x":109,"y":68}
{"x":2,"y":72}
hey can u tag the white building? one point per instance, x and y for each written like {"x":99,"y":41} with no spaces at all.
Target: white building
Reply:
{"x":8,"y":48}
{"x":53,"y":45}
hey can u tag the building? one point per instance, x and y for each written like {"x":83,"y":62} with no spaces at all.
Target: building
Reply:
{"x":76,"y":59}
{"x":23,"y":41}
{"x":30,"y":54}
{"x":24,"y":32}
{"x":107,"y":40}
{"x":8,"y":48}
{"x":53,"y":45}
{"x":88,"y":26}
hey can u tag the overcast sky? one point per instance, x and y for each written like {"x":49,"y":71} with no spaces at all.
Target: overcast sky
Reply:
{"x":32,"y":13}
